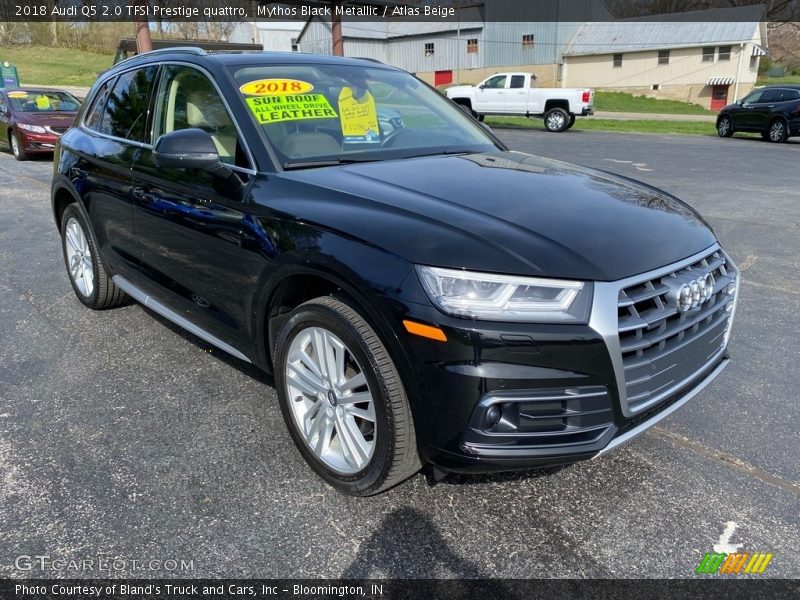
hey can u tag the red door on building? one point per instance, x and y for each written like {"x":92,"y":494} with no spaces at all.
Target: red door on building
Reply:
{"x":442,"y":77}
{"x":719,"y":96}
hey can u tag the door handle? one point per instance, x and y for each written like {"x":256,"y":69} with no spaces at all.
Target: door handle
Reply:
{"x":139,"y":193}
{"x":77,"y":173}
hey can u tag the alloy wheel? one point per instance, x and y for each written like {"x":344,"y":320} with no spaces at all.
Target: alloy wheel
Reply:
{"x":777,"y":131}
{"x":79,"y":258}
{"x":330,"y":400}
{"x":724,"y":127}
{"x":15,"y":145}
{"x":555,"y":121}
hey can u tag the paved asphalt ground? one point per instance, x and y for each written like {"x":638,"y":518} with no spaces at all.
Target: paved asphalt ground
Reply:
{"x":121,"y":436}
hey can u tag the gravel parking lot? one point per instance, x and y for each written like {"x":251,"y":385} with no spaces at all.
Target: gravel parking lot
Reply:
{"x":122,"y":436}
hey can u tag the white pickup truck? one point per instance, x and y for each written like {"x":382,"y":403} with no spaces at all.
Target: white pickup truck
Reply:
{"x":515,"y":94}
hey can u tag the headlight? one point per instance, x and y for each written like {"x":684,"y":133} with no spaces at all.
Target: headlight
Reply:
{"x":506,"y":298}
{"x":32,"y":128}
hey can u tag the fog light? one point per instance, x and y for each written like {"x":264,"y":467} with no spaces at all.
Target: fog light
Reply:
{"x":493,"y":416}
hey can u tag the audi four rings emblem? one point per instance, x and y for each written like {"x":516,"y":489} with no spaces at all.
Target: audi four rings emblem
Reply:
{"x":688,"y":291}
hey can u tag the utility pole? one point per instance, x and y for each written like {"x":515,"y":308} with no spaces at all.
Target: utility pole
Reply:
{"x":142,"y":24}
{"x":336,"y":29}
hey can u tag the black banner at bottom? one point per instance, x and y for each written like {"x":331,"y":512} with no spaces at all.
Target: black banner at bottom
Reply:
{"x":394,"y":589}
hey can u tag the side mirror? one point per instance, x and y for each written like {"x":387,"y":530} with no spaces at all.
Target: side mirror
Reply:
{"x":482,"y":86}
{"x":186,"y":149}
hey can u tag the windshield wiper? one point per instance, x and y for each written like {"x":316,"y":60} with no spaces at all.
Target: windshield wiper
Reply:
{"x":310,"y":164}
{"x":441,"y":153}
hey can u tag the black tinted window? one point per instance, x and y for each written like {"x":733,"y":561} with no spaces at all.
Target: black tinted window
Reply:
{"x":753,"y":97}
{"x":94,"y":116}
{"x":790,"y":95}
{"x":125,"y":114}
{"x":517,"y":81}
{"x":771,"y":96}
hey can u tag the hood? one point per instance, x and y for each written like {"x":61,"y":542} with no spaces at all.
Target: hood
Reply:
{"x":45,"y":119}
{"x":504,"y":212}
{"x":458,"y":89}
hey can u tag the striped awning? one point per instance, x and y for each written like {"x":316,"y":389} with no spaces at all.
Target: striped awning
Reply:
{"x":720,"y":81}
{"x":759,"y":51}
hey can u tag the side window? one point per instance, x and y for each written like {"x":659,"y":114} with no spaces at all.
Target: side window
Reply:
{"x":517,"y":81}
{"x":125,"y":114}
{"x":790,"y":95}
{"x":496,"y":82}
{"x":753,"y":97}
{"x":3,"y":105}
{"x":94,"y":115}
{"x":770,"y":96}
{"x":187,"y":99}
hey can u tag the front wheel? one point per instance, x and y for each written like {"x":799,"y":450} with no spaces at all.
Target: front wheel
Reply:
{"x":343,"y":400}
{"x":16,"y":146}
{"x":724,"y":127}
{"x":556,"y":120}
{"x":777,"y":131}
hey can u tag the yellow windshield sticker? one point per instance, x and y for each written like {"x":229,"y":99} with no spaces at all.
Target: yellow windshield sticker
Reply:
{"x":359,"y":117}
{"x":42,"y":102}
{"x":275,"y":87}
{"x":17,"y":94}
{"x":273,"y":109}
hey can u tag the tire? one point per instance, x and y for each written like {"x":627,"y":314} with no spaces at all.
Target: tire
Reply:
{"x":88,"y":277}
{"x":777,"y":131}
{"x":468,"y":109}
{"x":480,"y":117}
{"x":571,"y":122}
{"x":556,"y":120}
{"x":724,"y":127}
{"x":387,"y":443}
{"x":16,"y":146}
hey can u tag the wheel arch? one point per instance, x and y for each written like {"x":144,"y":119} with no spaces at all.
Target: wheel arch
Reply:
{"x":556,"y":103}
{"x":61,"y":197}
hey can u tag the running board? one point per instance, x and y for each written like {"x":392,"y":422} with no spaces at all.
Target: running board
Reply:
{"x":169,"y":314}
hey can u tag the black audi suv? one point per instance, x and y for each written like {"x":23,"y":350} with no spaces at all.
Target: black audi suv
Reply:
{"x":421,"y":294}
{"x":773,"y":111}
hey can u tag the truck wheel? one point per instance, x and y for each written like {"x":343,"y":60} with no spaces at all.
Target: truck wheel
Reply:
{"x":556,"y":120}
{"x":343,"y":400}
{"x":571,"y":122}
{"x":480,"y":117}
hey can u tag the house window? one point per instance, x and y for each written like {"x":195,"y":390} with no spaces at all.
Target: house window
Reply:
{"x":724,"y":53}
{"x":527,"y":40}
{"x":429,"y":49}
{"x":708,"y":54}
{"x":472,"y":46}
{"x":753,"y":63}
{"x":663,"y":57}
{"x":617,"y":60}
{"x":654,"y":87}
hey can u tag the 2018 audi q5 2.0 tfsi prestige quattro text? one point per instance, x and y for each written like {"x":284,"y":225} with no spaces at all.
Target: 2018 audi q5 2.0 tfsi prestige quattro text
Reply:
{"x":422,"y":294}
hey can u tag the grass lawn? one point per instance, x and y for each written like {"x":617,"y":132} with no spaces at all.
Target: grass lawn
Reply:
{"x":792,"y":79}
{"x":622,"y":102}
{"x":55,"y":66}
{"x":592,"y":124}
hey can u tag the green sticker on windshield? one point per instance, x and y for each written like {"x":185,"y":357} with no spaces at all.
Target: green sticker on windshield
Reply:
{"x":273,"y":109}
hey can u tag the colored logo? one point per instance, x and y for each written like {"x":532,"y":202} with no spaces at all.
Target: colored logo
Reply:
{"x":736,"y":563}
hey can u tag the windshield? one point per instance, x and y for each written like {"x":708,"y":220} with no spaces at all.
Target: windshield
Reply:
{"x":33,"y":101}
{"x":314,"y":114}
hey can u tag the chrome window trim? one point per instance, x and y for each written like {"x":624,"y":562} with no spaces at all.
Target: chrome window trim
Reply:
{"x":250,"y":171}
{"x":604,"y":320}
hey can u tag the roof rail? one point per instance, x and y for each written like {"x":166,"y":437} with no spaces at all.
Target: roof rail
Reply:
{"x":375,"y":60}
{"x":179,"y":49}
